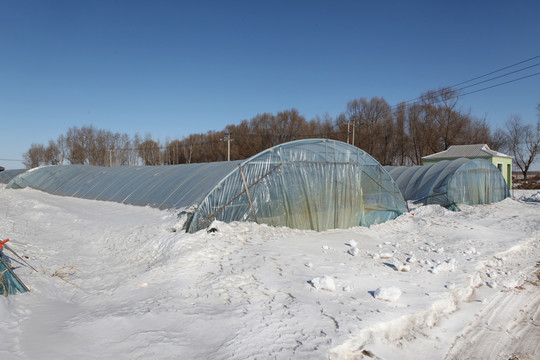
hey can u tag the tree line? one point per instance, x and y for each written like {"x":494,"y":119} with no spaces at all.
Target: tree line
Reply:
{"x":393,"y":135}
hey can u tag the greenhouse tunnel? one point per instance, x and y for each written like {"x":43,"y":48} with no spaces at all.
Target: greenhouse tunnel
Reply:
{"x":314,"y":184}
{"x":451,"y":182}
{"x":7,"y":175}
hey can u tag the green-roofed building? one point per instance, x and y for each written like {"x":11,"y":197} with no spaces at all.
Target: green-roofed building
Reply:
{"x":477,"y":151}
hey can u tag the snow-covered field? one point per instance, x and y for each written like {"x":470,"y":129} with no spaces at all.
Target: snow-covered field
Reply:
{"x":124,"y":282}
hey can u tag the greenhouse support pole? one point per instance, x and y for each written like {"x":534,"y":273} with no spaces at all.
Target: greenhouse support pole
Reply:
{"x":247,"y":192}
{"x":242,"y":192}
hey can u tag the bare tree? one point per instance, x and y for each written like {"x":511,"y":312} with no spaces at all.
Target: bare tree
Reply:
{"x":523,"y":142}
{"x":35,"y":156}
{"x":174,"y":153}
{"x":62,"y":149}
{"x":401,"y":139}
{"x":323,"y":127}
{"x":478,"y":132}
{"x":372,"y":127}
{"x":499,"y":141}
{"x":450,"y":124}
{"x":52,"y":154}
{"x":76,"y":146}
{"x":149,"y":151}
{"x":418,"y":134}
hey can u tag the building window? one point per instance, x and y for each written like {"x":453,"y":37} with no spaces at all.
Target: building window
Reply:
{"x":500,"y":167}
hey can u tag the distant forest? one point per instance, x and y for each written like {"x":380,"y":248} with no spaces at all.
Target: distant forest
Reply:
{"x":393,"y":135}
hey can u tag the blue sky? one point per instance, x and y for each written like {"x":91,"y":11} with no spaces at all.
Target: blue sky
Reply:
{"x":172,"y":68}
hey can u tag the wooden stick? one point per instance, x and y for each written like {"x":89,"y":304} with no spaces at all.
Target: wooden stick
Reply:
{"x":17,"y":255}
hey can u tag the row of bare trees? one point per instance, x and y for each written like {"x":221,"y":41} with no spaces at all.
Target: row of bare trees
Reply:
{"x":86,"y":145}
{"x":394,"y":135}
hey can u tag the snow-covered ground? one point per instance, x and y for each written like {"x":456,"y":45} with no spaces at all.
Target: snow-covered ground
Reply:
{"x":124,"y":282}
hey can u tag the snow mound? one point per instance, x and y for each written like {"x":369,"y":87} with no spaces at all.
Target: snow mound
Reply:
{"x":323,"y":283}
{"x":431,"y":210}
{"x":352,"y":243}
{"x":391,"y":293}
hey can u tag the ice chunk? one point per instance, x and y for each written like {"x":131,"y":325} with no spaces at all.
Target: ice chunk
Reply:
{"x":391,"y":293}
{"x":324,"y":283}
{"x":448,"y":265}
{"x":400,"y":266}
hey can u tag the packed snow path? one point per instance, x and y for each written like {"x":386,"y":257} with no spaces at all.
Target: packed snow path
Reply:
{"x":125,"y":282}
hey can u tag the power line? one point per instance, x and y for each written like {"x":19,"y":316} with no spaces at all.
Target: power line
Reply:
{"x":504,"y":83}
{"x":496,"y":71}
{"x":498,"y":77}
{"x":413,"y":101}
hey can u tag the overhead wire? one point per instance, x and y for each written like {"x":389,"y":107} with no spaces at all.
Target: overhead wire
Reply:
{"x":496,"y":71}
{"x":500,"y":76}
{"x":500,"y":84}
{"x":414,"y":101}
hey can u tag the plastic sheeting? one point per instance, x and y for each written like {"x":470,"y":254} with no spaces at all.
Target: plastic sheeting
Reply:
{"x":451,"y":182}
{"x":7,"y":175}
{"x":307,"y":184}
{"x":164,"y":187}
{"x":10,"y":284}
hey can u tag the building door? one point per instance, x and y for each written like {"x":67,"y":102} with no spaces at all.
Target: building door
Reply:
{"x":509,"y":175}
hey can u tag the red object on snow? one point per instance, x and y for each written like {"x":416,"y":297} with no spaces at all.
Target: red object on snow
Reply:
{"x":2,"y":243}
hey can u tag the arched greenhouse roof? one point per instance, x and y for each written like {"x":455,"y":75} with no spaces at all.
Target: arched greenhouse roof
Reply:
{"x":314,"y":184}
{"x":164,"y":187}
{"x":451,"y":182}
{"x":7,"y":175}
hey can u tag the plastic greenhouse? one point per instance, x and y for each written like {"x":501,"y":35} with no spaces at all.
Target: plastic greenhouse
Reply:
{"x":7,"y":175}
{"x":313,"y":184}
{"x":451,"y":182}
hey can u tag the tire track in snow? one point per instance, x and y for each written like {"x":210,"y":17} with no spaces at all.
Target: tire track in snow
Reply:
{"x":508,"y":327}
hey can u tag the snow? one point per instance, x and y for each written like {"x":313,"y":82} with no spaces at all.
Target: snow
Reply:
{"x":124,"y":282}
{"x":391,"y":293}
{"x":324,"y":283}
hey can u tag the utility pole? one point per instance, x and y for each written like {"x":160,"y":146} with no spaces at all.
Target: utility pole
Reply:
{"x":110,"y":157}
{"x":228,"y":139}
{"x":354,"y":124}
{"x":348,"y":130}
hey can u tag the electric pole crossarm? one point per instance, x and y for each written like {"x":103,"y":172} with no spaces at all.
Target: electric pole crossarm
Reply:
{"x":228,"y":139}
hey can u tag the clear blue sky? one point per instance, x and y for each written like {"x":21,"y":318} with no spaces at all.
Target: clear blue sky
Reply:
{"x":171,"y":68}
